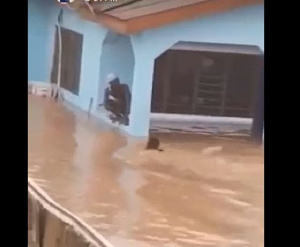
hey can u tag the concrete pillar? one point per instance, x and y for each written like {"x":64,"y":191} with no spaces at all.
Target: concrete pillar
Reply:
{"x":258,"y":117}
{"x":139,"y":119}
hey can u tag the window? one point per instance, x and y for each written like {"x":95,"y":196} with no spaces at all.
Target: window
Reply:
{"x":70,"y":60}
{"x":205,"y":83}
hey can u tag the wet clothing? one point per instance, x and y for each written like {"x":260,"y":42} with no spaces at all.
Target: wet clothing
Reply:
{"x":119,"y":104}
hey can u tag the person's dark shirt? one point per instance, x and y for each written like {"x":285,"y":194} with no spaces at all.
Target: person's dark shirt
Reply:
{"x":120,"y":92}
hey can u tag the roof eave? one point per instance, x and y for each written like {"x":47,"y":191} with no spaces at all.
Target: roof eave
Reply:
{"x":156,"y":20}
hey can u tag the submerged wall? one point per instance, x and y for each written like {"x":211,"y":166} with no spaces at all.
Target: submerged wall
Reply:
{"x":49,"y":225}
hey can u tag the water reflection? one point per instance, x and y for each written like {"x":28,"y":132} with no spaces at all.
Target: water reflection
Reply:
{"x":179,"y":197}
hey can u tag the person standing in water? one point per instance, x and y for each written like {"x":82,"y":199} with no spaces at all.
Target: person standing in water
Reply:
{"x":117,"y":99}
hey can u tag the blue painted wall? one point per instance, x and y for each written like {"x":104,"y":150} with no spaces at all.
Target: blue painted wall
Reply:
{"x":240,"y":26}
{"x":37,"y":40}
{"x":117,"y":57}
{"x":104,"y":52}
{"x":93,"y":36}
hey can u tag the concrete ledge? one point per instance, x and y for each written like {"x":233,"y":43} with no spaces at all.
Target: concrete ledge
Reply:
{"x":198,"y":118}
{"x":50,"y":225}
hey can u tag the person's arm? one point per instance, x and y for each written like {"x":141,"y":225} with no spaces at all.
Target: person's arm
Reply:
{"x":127,"y":98}
{"x":106,"y":96}
{"x":112,"y":97}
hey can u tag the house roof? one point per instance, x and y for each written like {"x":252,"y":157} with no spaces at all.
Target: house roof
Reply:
{"x":132,"y":16}
{"x":211,"y":47}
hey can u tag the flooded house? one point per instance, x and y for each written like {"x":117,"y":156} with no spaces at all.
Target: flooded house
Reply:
{"x":180,"y":59}
{"x":195,"y":70}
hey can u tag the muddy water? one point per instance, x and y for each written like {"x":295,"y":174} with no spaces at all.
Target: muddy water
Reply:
{"x":189,"y":195}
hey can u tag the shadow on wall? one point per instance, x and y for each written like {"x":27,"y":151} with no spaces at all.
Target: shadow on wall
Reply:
{"x":117,"y":57}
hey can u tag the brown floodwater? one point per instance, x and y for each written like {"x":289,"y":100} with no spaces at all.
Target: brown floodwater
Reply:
{"x":201,"y":191}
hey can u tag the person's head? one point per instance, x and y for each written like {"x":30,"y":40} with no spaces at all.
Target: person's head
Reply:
{"x":153,"y":144}
{"x":112,"y":80}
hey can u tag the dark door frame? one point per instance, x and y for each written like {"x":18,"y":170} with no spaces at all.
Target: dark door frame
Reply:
{"x":72,"y":43}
